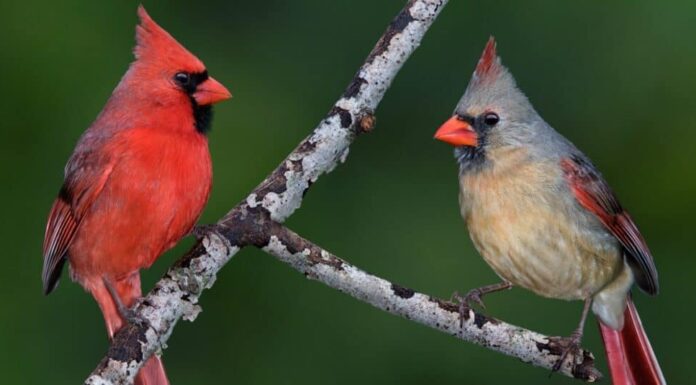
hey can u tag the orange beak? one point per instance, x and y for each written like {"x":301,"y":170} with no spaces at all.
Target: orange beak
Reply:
{"x":457,"y":133}
{"x":211,"y":92}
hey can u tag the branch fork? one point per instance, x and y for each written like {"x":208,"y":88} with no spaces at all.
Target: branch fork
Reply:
{"x":257,"y":221}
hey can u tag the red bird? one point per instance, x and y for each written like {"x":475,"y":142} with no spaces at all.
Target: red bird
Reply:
{"x":138,"y":179}
{"x":543,"y":218}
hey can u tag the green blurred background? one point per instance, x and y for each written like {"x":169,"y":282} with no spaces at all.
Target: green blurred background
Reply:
{"x":617,"y":78}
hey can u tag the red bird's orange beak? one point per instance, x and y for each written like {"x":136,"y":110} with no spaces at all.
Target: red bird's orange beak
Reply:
{"x":457,"y":133}
{"x":211,"y":92}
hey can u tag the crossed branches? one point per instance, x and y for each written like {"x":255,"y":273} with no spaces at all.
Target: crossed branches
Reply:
{"x":257,"y":221}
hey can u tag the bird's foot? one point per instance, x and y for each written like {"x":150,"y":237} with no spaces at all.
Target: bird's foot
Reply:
{"x":567,"y":346}
{"x":201,"y":231}
{"x":465,"y":302}
{"x":127,"y":314}
{"x":474,"y":296}
{"x":131,"y":316}
{"x":571,"y":344}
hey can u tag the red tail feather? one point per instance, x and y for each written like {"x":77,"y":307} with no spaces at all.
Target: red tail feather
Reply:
{"x":128,"y":289}
{"x":630,"y":357}
{"x":152,"y":373}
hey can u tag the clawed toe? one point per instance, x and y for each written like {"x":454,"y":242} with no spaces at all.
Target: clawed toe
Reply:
{"x":131,"y":316}
{"x":475,"y":296}
{"x":200,"y":231}
{"x":465,"y":304}
{"x":567,"y":346}
{"x":127,"y":314}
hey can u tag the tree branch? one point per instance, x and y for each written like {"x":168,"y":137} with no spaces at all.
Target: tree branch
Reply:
{"x":256,"y":221}
{"x":318,"y":264}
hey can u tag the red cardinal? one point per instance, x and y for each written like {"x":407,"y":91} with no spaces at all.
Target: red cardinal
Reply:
{"x":543,"y":218}
{"x":138,"y":179}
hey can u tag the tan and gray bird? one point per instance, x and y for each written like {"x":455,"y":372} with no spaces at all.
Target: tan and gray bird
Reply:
{"x":544,"y":218}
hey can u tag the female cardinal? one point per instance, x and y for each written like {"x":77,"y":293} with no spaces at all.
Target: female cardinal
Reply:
{"x":138,"y":179}
{"x":543,"y":218}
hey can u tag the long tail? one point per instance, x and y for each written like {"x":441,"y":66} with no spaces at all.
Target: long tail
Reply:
{"x":630,"y":357}
{"x":152,"y":372}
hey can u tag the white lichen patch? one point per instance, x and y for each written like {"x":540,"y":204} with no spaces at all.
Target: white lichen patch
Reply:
{"x":190,"y":312}
{"x":115,"y":373}
{"x":426,"y":10}
{"x":219,"y":252}
{"x":251,"y":200}
{"x":344,"y":156}
{"x":278,"y":248}
{"x":330,"y":142}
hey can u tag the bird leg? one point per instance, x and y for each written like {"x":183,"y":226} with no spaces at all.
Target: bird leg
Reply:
{"x":475,"y":296}
{"x":571,"y":344}
{"x":126,"y":313}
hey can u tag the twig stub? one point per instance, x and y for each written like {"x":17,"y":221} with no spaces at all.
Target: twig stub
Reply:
{"x":367,"y":123}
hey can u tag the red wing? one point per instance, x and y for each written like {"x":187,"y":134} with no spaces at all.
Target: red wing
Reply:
{"x":594,"y":194}
{"x":60,"y":230}
{"x":87,"y":174}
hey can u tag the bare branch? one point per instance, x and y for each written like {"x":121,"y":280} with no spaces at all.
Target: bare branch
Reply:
{"x":318,"y":264}
{"x":256,"y":222}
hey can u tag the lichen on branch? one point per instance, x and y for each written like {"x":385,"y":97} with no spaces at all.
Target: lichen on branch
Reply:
{"x":257,"y":221}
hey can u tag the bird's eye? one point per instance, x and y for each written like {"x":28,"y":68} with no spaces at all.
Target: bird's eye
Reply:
{"x":182,"y":78}
{"x":491,"y":119}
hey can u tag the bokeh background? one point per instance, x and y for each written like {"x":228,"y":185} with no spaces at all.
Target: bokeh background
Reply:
{"x":617,"y":78}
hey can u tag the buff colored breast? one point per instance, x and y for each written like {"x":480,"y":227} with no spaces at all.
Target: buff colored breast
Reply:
{"x":528,"y":235}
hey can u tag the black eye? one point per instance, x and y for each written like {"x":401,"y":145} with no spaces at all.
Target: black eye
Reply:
{"x":182,"y":78}
{"x":491,"y":119}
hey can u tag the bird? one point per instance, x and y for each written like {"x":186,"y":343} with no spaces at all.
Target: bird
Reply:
{"x":545,"y":219}
{"x":137,"y":180}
